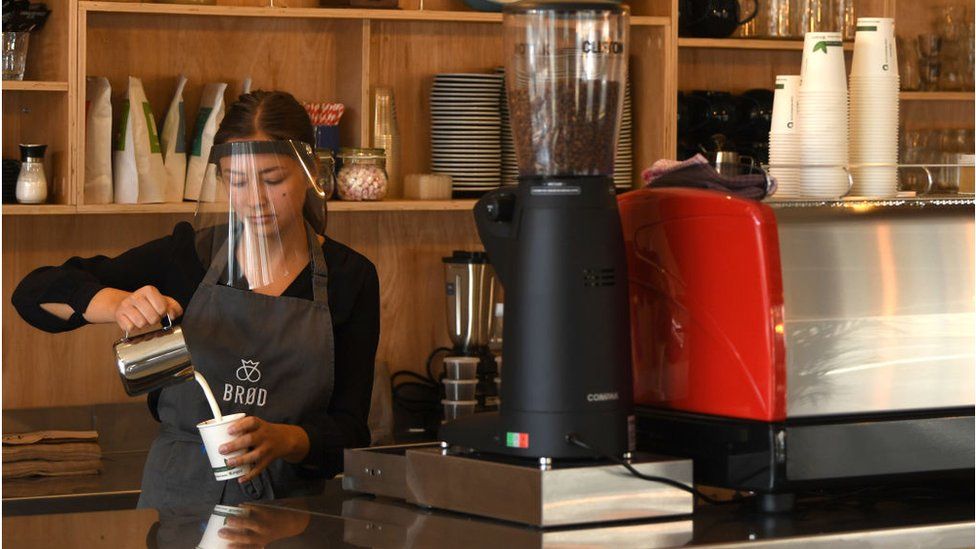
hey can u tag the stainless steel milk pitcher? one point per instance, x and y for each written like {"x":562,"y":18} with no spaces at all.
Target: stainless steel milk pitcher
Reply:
{"x":153,"y":360}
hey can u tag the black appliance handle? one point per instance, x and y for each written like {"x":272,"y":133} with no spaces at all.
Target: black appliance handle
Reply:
{"x":496,"y":216}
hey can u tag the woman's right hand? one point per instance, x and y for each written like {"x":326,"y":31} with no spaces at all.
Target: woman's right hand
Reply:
{"x":144,"y":307}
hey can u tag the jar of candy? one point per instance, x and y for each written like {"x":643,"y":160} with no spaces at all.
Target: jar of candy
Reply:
{"x":363,"y":174}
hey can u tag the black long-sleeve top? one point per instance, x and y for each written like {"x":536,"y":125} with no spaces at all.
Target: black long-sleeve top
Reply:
{"x":173,"y":266}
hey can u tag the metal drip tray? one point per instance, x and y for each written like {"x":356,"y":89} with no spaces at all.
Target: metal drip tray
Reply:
{"x":564,"y":493}
{"x":860,"y":204}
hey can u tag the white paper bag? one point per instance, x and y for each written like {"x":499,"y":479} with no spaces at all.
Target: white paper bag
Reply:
{"x":208,"y":119}
{"x":98,"y":140}
{"x":173,"y":143}
{"x":124,"y":172}
{"x":149,"y":157}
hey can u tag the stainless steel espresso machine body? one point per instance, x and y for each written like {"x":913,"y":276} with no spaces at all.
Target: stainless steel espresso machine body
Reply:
{"x":792,"y":345}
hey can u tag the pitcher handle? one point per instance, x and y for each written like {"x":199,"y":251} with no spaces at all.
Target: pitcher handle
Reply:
{"x":166,"y":322}
{"x":755,"y":12}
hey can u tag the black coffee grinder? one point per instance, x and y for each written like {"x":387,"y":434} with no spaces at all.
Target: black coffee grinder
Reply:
{"x":556,"y":242}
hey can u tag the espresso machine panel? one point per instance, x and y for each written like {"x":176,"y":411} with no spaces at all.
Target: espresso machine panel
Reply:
{"x":765,"y":312}
{"x":878,"y":307}
{"x":785,"y":344}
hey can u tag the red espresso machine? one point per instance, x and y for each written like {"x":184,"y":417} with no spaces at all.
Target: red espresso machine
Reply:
{"x":795,"y":345}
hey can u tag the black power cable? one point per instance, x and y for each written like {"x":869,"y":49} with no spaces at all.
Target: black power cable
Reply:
{"x":574,"y":439}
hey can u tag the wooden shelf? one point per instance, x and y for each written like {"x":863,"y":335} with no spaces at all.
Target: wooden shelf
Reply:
{"x":190,"y":207}
{"x":38,"y":209}
{"x":175,"y":208}
{"x":322,"y":13}
{"x":937,"y":96}
{"x":33,"y":85}
{"x":299,"y":13}
{"x":649,"y":21}
{"x":402,"y":206}
{"x":747,"y":44}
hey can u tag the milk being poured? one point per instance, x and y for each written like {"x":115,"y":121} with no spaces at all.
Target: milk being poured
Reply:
{"x":209,"y":394}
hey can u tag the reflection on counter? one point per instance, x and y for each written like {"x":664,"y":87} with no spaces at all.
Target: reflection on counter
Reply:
{"x":937,"y":515}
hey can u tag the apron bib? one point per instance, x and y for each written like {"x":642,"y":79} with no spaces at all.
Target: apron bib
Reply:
{"x":265,"y":356}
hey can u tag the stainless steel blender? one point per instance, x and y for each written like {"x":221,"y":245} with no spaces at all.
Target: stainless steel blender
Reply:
{"x":471,"y":291}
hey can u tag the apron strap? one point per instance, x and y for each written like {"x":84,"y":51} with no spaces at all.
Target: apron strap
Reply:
{"x":320,"y":271}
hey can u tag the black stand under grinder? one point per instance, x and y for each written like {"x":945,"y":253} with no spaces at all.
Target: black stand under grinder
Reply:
{"x":556,"y":243}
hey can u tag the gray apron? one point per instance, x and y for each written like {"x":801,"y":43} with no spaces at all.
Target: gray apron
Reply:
{"x":270,"y":357}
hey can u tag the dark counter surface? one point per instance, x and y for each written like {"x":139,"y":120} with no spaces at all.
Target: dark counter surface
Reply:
{"x":125,"y":432}
{"x":933,"y":516}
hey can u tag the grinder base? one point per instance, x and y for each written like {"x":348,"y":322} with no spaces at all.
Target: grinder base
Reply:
{"x":518,"y":490}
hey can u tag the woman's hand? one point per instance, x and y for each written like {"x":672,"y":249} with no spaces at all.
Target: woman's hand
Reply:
{"x":145,"y":307}
{"x":131,"y":310}
{"x":263,"y":525}
{"x":264,"y":442}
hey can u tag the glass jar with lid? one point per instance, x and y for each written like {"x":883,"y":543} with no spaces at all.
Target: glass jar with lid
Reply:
{"x":363,"y":174}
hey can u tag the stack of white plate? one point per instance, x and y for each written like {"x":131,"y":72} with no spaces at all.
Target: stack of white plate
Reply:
{"x":784,"y":140}
{"x":509,"y":162}
{"x":822,"y":117}
{"x":874,"y":108}
{"x":623,"y":167}
{"x":465,"y":129}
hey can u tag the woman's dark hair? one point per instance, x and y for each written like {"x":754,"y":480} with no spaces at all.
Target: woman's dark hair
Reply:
{"x":280,"y":116}
{"x":275,"y":113}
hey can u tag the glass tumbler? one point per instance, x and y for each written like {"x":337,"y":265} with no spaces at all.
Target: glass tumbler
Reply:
{"x":779,"y":18}
{"x":15,"y":54}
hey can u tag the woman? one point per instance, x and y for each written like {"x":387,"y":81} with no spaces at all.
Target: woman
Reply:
{"x":282,"y":321}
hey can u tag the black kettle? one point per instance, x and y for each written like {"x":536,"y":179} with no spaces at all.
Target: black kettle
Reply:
{"x":711,"y":18}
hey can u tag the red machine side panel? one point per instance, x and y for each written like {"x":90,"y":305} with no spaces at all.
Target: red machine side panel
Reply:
{"x":706,"y":303}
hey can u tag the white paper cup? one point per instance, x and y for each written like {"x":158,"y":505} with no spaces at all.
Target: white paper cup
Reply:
{"x":218,"y":519}
{"x":874,"y":47}
{"x":785,"y":98}
{"x":823,"y":62}
{"x":214,"y":434}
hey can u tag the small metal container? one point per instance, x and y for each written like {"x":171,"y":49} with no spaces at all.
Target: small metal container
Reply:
{"x":153,"y":360}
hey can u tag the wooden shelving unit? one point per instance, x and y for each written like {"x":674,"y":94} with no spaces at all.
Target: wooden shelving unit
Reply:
{"x":39,"y":209}
{"x":937,"y":96}
{"x":747,"y":44}
{"x":190,"y":207}
{"x":30,"y":85}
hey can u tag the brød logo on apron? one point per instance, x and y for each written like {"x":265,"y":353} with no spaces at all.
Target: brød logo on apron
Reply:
{"x":248,"y":372}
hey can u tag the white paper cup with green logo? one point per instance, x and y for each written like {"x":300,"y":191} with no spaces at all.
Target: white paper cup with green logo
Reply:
{"x":822,"y":67}
{"x":875,"y":51}
{"x":214,"y":435}
{"x":218,"y":520}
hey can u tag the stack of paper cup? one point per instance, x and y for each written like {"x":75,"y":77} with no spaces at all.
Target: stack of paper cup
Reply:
{"x":874,"y":108}
{"x":784,"y":140}
{"x":822,"y":116}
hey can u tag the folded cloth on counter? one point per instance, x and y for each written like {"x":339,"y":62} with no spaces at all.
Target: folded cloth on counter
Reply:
{"x":697,"y":173}
{"x":68,"y":451}
{"x":21,"y":469}
{"x":49,"y":437}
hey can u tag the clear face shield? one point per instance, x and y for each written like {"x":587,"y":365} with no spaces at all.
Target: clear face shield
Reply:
{"x":260,"y":212}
